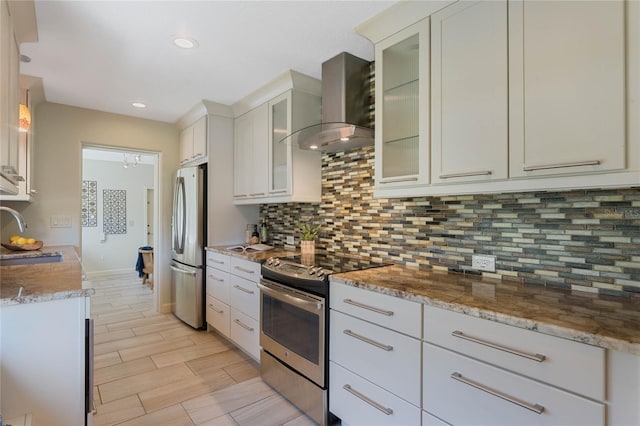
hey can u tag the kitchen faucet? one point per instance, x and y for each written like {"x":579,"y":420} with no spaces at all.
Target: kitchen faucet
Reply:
{"x":17,"y":216}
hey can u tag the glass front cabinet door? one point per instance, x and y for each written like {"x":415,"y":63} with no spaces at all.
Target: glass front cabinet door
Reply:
{"x":402,"y":111}
{"x":280,"y":161}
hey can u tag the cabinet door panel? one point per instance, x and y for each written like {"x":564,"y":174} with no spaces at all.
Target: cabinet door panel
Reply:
{"x":242,"y":153}
{"x":469,"y":85}
{"x":200,"y":138}
{"x":402,"y":116}
{"x":260,"y":155}
{"x":567,"y":86}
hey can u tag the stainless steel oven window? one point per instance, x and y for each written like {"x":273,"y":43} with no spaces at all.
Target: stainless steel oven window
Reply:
{"x":293,"y":329}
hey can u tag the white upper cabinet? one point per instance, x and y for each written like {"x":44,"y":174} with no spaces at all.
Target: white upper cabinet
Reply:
{"x":402,"y":116}
{"x":469,"y":92}
{"x":567,"y":87}
{"x":9,"y":103}
{"x":269,"y":168}
{"x":193,"y":143}
{"x":251,"y":154}
{"x":506,"y":96}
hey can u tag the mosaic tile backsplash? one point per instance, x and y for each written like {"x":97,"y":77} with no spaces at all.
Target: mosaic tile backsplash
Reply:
{"x":586,"y":240}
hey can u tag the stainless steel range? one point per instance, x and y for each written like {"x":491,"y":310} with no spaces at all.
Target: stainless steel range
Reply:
{"x":294,"y":327}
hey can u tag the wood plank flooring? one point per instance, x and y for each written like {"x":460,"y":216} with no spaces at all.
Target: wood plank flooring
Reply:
{"x":152,"y":369}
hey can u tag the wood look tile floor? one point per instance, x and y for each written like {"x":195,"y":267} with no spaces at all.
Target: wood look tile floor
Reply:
{"x":152,"y":369}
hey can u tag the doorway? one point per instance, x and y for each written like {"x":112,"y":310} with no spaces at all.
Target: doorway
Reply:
{"x":119,"y":205}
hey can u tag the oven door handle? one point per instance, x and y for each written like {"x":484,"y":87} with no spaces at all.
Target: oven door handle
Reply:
{"x":278,"y":294}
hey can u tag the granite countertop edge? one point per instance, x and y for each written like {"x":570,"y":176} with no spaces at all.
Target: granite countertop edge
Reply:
{"x":36,"y":298}
{"x":594,"y":337}
{"x":254,"y":256}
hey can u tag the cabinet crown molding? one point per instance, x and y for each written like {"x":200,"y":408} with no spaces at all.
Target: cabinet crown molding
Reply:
{"x":201,"y":109}
{"x":287,"y":80}
{"x":398,"y":16}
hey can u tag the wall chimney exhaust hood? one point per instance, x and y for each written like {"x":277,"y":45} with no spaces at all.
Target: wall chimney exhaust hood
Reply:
{"x":347,"y":108}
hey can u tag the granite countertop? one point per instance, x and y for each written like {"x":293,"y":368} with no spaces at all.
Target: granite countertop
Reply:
{"x":42,"y":282}
{"x":605,"y":321}
{"x":254,"y":256}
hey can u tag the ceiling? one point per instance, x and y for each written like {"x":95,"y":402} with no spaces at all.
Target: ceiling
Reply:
{"x":104,"y":55}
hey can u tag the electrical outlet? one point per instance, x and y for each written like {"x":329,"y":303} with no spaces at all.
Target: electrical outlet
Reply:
{"x":483,"y":262}
{"x":291,"y":240}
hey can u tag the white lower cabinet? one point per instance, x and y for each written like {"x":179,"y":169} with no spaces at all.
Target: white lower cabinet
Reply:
{"x":464,"y":391}
{"x":233,"y":300}
{"x":375,"y":356}
{"x":391,"y":358}
{"x":217,"y":315}
{"x":245,"y":331}
{"x":359,"y":402}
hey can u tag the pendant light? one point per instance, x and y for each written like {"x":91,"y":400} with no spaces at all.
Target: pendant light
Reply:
{"x":24,"y":118}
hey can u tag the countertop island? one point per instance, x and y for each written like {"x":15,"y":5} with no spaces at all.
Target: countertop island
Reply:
{"x":42,"y":281}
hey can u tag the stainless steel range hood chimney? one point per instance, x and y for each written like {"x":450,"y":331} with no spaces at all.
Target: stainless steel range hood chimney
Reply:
{"x":347,"y":108}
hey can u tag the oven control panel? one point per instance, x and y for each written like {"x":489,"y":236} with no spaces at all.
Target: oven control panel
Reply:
{"x":294,"y":269}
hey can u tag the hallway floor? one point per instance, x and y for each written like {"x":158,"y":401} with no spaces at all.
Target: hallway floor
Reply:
{"x":152,"y":369}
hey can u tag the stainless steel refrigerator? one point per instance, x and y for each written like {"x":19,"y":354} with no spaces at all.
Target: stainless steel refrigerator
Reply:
{"x":188,"y":232}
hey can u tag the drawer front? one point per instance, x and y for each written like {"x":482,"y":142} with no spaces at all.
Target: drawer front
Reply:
{"x":219,"y":261}
{"x":359,"y":402}
{"x":245,"y":332}
{"x":218,"y":315}
{"x":462,"y":403}
{"x":564,"y":364}
{"x":387,"y":311}
{"x":218,"y":284}
{"x":245,"y":269}
{"x":245,"y":296}
{"x":392,"y":359}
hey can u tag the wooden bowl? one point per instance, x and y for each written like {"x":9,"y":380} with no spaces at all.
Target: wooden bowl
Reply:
{"x":23,"y":247}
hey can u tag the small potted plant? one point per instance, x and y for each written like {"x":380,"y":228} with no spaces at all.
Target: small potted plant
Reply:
{"x":308,"y":234}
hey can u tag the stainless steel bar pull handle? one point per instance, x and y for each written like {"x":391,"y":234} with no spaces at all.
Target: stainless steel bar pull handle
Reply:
{"x":371,"y":402}
{"x":368,"y":307}
{"x":248,"y":271}
{"x":182,"y":271}
{"x":243,"y":289}
{"x":466,"y":174}
{"x":220,"y":280}
{"x":215,"y":310}
{"x":536,"y":408}
{"x":534,"y":357}
{"x":219,"y":262}
{"x":372,"y":342}
{"x":561,"y":165}
{"x":399,"y":179}
{"x":243,"y":325}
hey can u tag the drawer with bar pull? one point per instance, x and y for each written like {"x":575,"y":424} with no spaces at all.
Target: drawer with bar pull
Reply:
{"x":387,"y":311}
{"x":360,"y":402}
{"x":566,"y":364}
{"x":218,"y":314}
{"x":245,"y":269}
{"x":218,"y":260}
{"x":464,"y":391}
{"x":217,"y":284}
{"x":392,"y":359}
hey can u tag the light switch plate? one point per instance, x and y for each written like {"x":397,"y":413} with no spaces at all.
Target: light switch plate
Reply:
{"x":60,"y":222}
{"x":291,"y":240}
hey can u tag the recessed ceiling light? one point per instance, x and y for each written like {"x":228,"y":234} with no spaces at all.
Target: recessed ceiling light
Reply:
{"x":185,"y":42}
{"x":138,"y":105}
{"x":313,"y":147}
{"x":346,"y":139}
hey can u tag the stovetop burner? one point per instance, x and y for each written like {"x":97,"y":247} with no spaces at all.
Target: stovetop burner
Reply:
{"x":311,"y":273}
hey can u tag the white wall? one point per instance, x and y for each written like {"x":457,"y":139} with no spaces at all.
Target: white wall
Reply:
{"x":59,"y":132}
{"x":118,"y":252}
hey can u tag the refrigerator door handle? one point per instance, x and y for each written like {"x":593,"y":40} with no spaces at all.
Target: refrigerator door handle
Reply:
{"x":180,"y":216}
{"x":182,"y":271}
